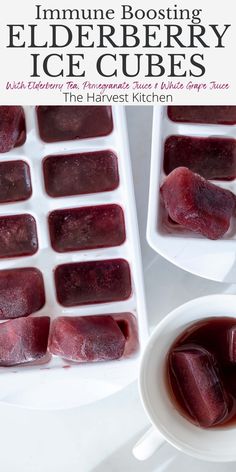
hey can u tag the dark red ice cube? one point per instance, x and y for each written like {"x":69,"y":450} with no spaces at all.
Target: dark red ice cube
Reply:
{"x":62,"y":123}
{"x":12,"y":127}
{"x":197,"y":377}
{"x":87,"y":338}
{"x":197,"y":204}
{"x":77,"y":174}
{"x":15,"y":182}
{"x":231,"y":335}
{"x":87,"y":228}
{"x":18,"y":236}
{"x":203,"y":114}
{"x":212,"y":158}
{"x":93,"y":282}
{"x":21,"y":292}
{"x":24,"y":340}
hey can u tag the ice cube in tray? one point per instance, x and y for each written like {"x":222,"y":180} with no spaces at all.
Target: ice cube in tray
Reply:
{"x":87,"y":228}
{"x":197,"y":204}
{"x":21,"y":292}
{"x":94,"y":338}
{"x":24,"y":340}
{"x":225,"y":115}
{"x":62,"y":123}
{"x":211,"y":157}
{"x":15,"y":181}
{"x":18,"y":236}
{"x":91,"y":282}
{"x":78,"y":174}
{"x":12,"y":127}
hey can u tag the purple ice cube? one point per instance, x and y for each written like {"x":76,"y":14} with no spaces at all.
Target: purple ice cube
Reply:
{"x":23,"y":340}
{"x":21,"y":292}
{"x":87,"y":228}
{"x":18,"y":236}
{"x":62,"y":123}
{"x":199,"y":384}
{"x":12,"y":127}
{"x":197,"y":204}
{"x":83,"y":283}
{"x":87,"y":338}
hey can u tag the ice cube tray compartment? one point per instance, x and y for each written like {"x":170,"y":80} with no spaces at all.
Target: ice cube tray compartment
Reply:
{"x":40,"y":205}
{"x":187,"y":250}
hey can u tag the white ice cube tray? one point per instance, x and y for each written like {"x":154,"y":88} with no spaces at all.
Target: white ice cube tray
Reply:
{"x":214,"y":260}
{"x":88,"y":381}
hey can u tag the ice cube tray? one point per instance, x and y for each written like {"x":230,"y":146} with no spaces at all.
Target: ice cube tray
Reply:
{"x":214,"y":260}
{"x":102,"y":378}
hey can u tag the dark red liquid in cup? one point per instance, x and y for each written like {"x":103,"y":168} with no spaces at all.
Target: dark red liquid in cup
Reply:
{"x":201,"y":372}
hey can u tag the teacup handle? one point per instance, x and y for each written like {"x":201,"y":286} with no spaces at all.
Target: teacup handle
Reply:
{"x":148,"y":444}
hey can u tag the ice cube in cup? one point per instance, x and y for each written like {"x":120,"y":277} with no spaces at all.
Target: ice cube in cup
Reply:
{"x":18,"y":236}
{"x":211,"y":157}
{"x":197,"y":204}
{"x":231,"y":337}
{"x":225,"y":115}
{"x":15,"y":181}
{"x":99,"y":281}
{"x":87,"y":228}
{"x":21,"y":292}
{"x":12,"y":127}
{"x":87,"y":338}
{"x":199,"y":384}
{"x":78,"y":174}
{"x":63,"y":123}
{"x":24,"y":340}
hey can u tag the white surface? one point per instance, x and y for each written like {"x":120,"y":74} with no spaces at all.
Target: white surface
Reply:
{"x":213,"y":260}
{"x":100,"y":437}
{"x":36,"y":386}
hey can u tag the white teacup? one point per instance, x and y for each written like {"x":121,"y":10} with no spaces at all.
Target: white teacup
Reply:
{"x":216,"y":444}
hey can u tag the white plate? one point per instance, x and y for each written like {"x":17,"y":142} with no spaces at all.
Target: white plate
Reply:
{"x":214,"y":260}
{"x":52,"y":386}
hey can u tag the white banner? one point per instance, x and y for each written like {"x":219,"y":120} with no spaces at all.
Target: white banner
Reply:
{"x":140,"y":53}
